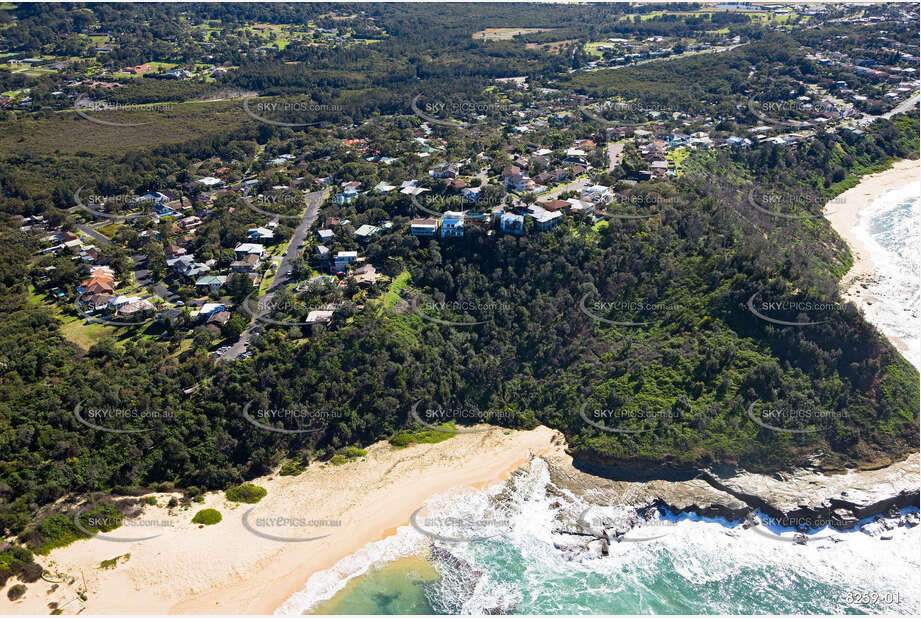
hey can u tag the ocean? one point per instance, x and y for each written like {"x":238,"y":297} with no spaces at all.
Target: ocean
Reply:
{"x":519,"y":564}
{"x":890,"y":229}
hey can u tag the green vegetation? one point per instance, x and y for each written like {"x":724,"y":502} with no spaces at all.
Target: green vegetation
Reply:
{"x":291,"y":468}
{"x":111,"y":563}
{"x":18,"y":562}
{"x":59,"y":530}
{"x":15,"y":592}
{"x":207,"y":517}
{"x":247,"y":492}
{"x":149,"y":500}
{"x":423,"y":436}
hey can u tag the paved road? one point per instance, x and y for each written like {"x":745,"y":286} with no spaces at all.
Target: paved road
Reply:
{"x":91,"y":232}
{"x":281,"y":273}
{"x":614,"y":152}
{"x":904,"y":106}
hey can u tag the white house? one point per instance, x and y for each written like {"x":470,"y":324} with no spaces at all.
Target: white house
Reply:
{"x":345,"y":257}
{"x":249,"y":248}
{"x":260,"y":233}
{"x":544,"y":219}
{"x":423,"y":227}
{"x":597,"y":194}
{"x":211,"y":181}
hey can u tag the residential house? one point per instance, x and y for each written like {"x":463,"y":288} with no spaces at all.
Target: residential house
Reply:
{"x":97,"y":302}
{"x":211,"y":182}
{"x":246,"y":264}
{"x":444,"y":170}
{"x":544,"y":219}
{"x":366,"y":232}
{"x":597,"y":194}
{"x":471,"y":194}
{"x":213,"y":283}
{"x":511,"y":223}
{"x":189,"y":223}
{"x":347,"y":196}
{"x":218,"y":318}
{"x":174,"y":251}
{"x":366,"y":275}
{"x":344,"y":258}
{"x":452,"y":224}
{"x":555,"y":205}
{"x":580,"y":207}
{"x":136,"y":309}
{"x":659,"y":167}
{"x":208,"y":309}
{"x":260,"y":233}
{"x":325,"y":234}
{"x":162,"y":210}
{"x":423,"y":227}
{"x":155,"y":197}
{"x":249,"y":248}
{"x":320,"y":316}
{"x":411,"y":187}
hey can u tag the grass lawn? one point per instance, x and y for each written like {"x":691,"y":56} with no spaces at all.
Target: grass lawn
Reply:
{"x":67,"y":133}
{"x":109,"y":230}
{"x":392,"y":296}
{"x":678,"y":155}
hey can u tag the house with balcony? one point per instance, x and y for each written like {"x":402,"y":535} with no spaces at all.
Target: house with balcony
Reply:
{"x":452,"y":224}
{"x":423,"y":227}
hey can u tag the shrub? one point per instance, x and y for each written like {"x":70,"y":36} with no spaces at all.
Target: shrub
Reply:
{"x":423,"y":436}
{"x":149,"y":500}
{"x":207,"y":517}
{"x":247,"y":492}
{"x":15,"y":592}
{"x":290,"y":468}
{"x":338,"y":460}
{"x":353,"y":452}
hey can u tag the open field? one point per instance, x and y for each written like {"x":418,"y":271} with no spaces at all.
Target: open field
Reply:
{"x":554,"y":47}
{"x":500,"y":34}
{"x":66,"y":132}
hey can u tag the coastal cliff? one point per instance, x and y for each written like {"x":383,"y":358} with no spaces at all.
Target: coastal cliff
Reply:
{"x":805,"y":497}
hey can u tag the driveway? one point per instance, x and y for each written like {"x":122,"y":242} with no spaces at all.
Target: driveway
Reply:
{"x":281,"y":273}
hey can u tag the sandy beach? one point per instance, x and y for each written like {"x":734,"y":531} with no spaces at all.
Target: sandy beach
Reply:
{"x":227,"y":568}
{"x":843,"y":213}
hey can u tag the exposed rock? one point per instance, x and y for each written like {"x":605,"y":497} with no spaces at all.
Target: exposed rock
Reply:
{"x":597,"y":548}
{"x":805,"y":497}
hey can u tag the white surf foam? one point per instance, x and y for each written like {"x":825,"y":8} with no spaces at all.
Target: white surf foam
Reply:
{"x":890,"y":228}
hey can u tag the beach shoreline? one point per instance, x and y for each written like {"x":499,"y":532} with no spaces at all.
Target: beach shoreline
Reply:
{"x":226,"y":569}
{"x":844,"y":214}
